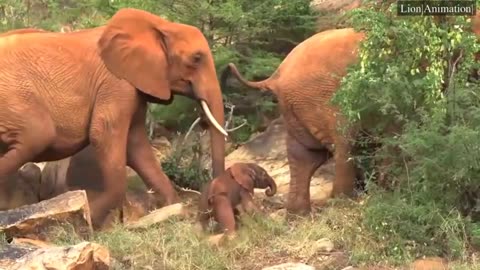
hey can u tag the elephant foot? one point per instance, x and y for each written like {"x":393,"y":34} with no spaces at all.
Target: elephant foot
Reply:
{"x":221,"y":239}
{"x":299,"y":208}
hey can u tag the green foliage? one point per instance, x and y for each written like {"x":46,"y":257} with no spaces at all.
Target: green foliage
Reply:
{"x":177,"y":115}
{"x":406,"y":76}
{"x":184,"y":166}
{"x":53,"y":14}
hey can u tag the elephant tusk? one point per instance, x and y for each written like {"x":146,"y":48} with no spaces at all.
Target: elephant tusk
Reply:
{"x":212,"y":119}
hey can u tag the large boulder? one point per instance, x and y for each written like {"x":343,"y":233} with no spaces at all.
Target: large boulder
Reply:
{"x":268,"y":150}
{"x":82,"y":256}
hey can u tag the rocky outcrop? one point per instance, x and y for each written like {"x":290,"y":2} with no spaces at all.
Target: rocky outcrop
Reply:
{"x":34,"y":221}
{"x":83,"y":256}
{"x":268,"y":150}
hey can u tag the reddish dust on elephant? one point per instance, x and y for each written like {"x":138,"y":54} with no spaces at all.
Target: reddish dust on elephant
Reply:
{"x":234,"y":188}
{"x":91,"y":87}
{"x":304,"y":83}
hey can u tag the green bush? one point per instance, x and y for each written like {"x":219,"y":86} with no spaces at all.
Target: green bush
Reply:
{"x":405,"y":75}
{"x":184,"y":166}
{"x":179,"y":115}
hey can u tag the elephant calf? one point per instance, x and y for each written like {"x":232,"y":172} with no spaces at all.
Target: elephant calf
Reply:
{"x":21,"y":187}
{"x":222,"y":195}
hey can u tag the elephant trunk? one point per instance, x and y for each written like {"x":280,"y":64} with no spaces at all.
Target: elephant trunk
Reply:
{"x":270,"y":184}
{"x":212,"y":105}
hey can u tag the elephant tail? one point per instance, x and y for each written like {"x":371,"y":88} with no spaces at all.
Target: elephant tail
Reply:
{"x":232,"y":69}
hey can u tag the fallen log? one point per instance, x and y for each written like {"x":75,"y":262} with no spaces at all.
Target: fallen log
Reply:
{"x":83,"y":256}
{"x":35,"y":221}
{"x":158,"y":216}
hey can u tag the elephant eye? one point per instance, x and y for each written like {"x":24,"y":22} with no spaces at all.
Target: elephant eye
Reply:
{"x":197,"y":58}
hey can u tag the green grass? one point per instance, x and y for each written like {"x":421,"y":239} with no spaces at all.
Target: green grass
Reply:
{"x":262,"y":241}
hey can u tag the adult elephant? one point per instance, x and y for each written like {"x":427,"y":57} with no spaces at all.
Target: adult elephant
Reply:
{"x":60,"y":92}
{"x":304,"y":83}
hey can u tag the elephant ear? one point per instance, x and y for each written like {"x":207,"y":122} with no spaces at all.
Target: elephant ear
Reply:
{"x":243,"y":175}
{"x":133,"y":48}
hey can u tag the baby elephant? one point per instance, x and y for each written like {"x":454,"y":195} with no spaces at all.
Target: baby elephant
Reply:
{"x":221,"y":196}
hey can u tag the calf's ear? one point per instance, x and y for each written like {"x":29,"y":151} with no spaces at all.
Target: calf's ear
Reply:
{"x":243,"y":175}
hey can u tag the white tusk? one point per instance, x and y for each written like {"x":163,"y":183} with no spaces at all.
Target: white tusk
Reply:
{"x":212,"y":119}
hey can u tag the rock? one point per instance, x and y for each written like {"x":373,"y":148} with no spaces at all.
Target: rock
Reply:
{"x":21,"y":187}
{"x":336,"y":260}
{"x":162,"y":148}
{"x":158,"y":216}
{"x":31,"y":242}
{"x":290,"y":266}
{"x":54,"y":174}
{"x":268,"y":149}
{"x":83,"y":256}
{"x":138,"y":204}
{"x":430,"y":263}
{"x":324,"y":245}
{"x":34,"y":221}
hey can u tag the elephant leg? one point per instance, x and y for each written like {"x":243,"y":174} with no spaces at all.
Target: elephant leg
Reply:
{"x":203,"y":219}
{"x":344,"y":168}
{"x":140,"y":157}
{"x":247,"y":203}
{"x":109,"y":144}
{"x":24,"y":144}
{"x":302,"y":162}
{"x":223,"y":213}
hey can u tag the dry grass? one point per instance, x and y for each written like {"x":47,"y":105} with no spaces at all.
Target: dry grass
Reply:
{"x":262,"y":241}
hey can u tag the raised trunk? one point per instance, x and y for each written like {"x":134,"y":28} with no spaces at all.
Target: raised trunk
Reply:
{"x":272,"y":187}
{"x":272,"y":190}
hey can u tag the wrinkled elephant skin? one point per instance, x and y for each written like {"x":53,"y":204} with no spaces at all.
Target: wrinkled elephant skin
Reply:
{"x":63,"y":91}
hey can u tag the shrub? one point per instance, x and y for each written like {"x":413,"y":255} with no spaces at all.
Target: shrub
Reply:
{"x":411,"y":79}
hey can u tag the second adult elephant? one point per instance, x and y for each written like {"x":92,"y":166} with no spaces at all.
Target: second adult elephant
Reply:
{"x":304,"y":83}
{"x":21,"y":187}
{"x":60,"y":92}
{"x":82,"y":172}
